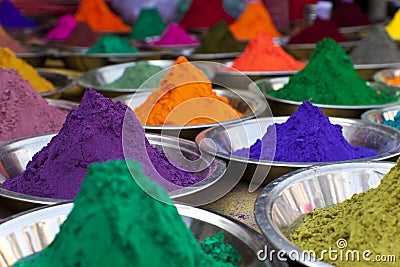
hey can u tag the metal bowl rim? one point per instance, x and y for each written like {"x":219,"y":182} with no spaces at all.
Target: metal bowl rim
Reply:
{"x":379,"y":111}
{"x":70,"y":82}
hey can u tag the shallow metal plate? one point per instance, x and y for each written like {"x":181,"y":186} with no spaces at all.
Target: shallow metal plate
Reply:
{"x":382,"y":114}
{"x":60,"y":81}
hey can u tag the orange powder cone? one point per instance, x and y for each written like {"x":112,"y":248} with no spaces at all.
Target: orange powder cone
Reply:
{"x":99,"y":16}
{"x":262,"y":54}
{"x":254,"y":19}
{"x":185,"y":97}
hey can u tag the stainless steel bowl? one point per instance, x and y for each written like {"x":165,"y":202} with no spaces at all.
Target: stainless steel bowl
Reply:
{"x":245,"y":101}
{"x":283,"y":107}
{"x":223,"y":140}
{"x":15,"y":155}
{"x":386,"y":74}
{"x":60,"y":81}
{"x":62,"y":104}
{"x":30,"y":232}
{"x":287,"y":199}
{"x":382,"y":114}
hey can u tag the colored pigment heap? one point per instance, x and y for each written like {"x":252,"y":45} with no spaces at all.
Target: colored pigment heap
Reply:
{"x":394,"y":81}
{"x":375,"y":48}
{"x":262,"y":54}
{"x":185,"y":97}
{"x":113,"y":216}
{"x":203,"y":14}
{"x":9,"y":42}
{"x":393,"y":27}
{"x":8,"y":60}
{"x":149,"y":23}
{"x":82,"y":36}
{"x":100,"y":17}
{"x":394,"y":123}
{"x":307,"y":136}
{"x":348,"y":14}
{"x":136,"y":76}
{"x":11,"y":16}
{"x":23,"y":111}
{"x":175,"y":35}
{"x":93,"y":133}
{"x":254,"y":19}
{"x":330,"y":78}
{"x":319,"y":30}
{"x":367,"y":221}
{"x":219,"y":39}
{"x":109,"y":43}
{"x":63,"y":29}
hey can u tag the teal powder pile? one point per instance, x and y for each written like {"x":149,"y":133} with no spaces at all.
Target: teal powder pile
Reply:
{"x":149,"y":23}
{"x":112,"y":44}
{"x":330,"y":78}
{"x":134,"y":77}
{"x":394,"y":123}
{"x":115,"y":223}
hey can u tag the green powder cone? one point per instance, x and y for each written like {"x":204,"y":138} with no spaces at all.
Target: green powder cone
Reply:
{"x":115,"y":223}
{"x":149,"y":23}
{"x":330,"y":78}
{"x":112,"y":44}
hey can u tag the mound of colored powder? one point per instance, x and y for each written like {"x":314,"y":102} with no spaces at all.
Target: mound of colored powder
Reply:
{"x":375,"y":48}
{"x":394,"y":123}
{"x":113,"y":216}
{"x":109,"y":43}
{"x":93,"y":133}
{"x":149,"y":23}
{"x":185,"y":97}
{"x":219,"y":39}
{"x":134,"y":77}
{"x":99,"y":16}
{"x":367,"y":222}
{"x":330,"y":78}
{"x":8,"y":60}
{"x":23,"y":111}
{"x":393,"y":27}
{"x":262,"y":54}
{"x":203,"y":14}
{"x":175,"y":35}
{"x":307,"y":136}
{"x":254,"y":19}
{"x":9,"y":42}
{"x":63,"y":29}
{"x":82,"y":36}
{"x":348,"y":14}
{"x":319,"y":30}
{"x":11,"y":16}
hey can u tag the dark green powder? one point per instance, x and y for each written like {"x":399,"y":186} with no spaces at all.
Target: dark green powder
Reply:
{"x":115,"y":223}
{"x":135,"y":76}
{"x":219,"y":39}
{"x":330,"y":78}
{"x":149,"y":23}
{"x":112,"y":44}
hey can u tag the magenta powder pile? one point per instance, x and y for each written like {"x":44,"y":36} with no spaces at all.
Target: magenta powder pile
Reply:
{"x":175,"y":35}
{"x":93,"y":133}
{"x":23,"y":112}
{"x":63,"y":29}
{"x":307,"y":136}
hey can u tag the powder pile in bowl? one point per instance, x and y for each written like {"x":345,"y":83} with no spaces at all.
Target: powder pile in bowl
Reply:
{"x":82,"y":36}
{"x":307,"y":136}
{"x":262,"y":54}
{"x":368,"y":222}
{"x":253,"y":20}
{"x":148,"y":24}
{"x":11,"y":16}
{"x":348,"y":14}
{"x":112,"y":44}
{"x":395,"y":122}
{"x":115,"y":215}
{"x":23,"y":111}
{"x":330,"y":78}
{"x":93,"y":133}
{"x":393,"y":27}
{"x":175,"y":35}
{"x":185,"y":97}
{"x":9,"y":60}
{"x":9,"y":42}
{"x":63,"y":29}
{"x":136,"y":76}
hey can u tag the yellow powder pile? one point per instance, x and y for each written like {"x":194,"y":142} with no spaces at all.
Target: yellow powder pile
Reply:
{"x":393,"y":28}
{"x":185,"y":97}
{"x":8,"y":60}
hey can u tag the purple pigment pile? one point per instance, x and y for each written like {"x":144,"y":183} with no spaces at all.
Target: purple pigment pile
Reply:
{"x":307,"y":136}
{"x":93,"y":133}
{"x":175,"y":35}
{"x":23,"y":112}
{"x":11,"y":16}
